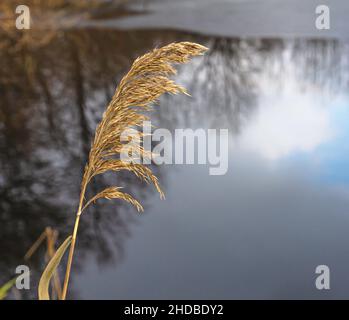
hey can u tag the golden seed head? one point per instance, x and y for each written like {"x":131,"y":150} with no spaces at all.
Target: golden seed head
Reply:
{"x":146,"y":81}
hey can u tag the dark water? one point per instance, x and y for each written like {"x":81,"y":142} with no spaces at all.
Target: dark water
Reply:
{"x":257,"y":232}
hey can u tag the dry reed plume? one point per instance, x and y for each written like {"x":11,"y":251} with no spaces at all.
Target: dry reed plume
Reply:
{"x":146,"y":81}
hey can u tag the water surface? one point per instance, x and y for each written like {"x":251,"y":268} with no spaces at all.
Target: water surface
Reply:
{"x":257,"y":232}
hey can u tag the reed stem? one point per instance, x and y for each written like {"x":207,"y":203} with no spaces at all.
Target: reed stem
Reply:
{"x":72,"y":246}
{"x":70,"y":257}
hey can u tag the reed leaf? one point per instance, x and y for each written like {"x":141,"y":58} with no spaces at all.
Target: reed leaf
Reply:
{"x":50,"y":270}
